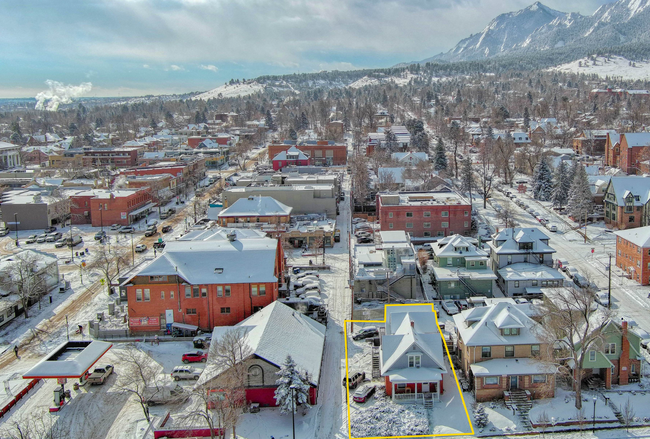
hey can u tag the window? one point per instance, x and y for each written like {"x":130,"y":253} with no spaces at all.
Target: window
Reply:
{"x":491,"y":381}
{"x":466,"y":213}
{"x":262,"y":290}
{"x":195,"y":290}
{"x":204,"y":292}
{"x":227,"y":291}
{"x":610,"y":348}
{"x":171,"y":294}
{"x":452,"y":284}
{"x":157,"y":278}
{"x":466,"y":224}
{"x":409,"y":214}
{"x":472,"y":264}
{"x":592,"y":355}
{"x":440,"y":234}
{"x":427,"y":214}
{"x":486,"y":352}
{"x":190,"y":311}
{"x":162,"y":295}
{"x":535,"y":283}
{"x":414,"y":360}
{"x":219,"y":291}
{"x":409,"y":225}
{"x":225,"y":310}
{"x":444,"y":225}
{"x":401,"y":386}
{"x":510,"y":351}
{"x":390,"y":214}
{"x":427,"y":234}
{"x":426,"y":225}
{"x":516,"y":284}
{"x":138,"y":295}
{"x":254,"y":290}
{"x":445,"y":214}
{"x":188,"y":292}
{"x":534,"y":350}
{"x":631,"y":219}
{"x":538,"y":379}
{"x":509,"y":259}
{"x":390,"y":225}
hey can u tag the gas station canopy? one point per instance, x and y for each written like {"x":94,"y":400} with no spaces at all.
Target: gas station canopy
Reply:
{"x":71,"y":359}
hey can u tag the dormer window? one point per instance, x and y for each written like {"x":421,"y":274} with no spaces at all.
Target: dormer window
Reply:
{"x":415,"y":360}
{"x":510,"y":331}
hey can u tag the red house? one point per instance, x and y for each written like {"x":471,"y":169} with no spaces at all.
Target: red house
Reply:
{"x":291,"y":157}
{"x":206,"y":279}
{"x":271,"y":335}
{"x":423,"y":215}
{"x":103,"y":207}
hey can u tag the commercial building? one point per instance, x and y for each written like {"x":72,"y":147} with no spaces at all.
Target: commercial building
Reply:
{"x":104,"y":207}
{"x":291,"y":157}
{"x":633,"y":253}
{"x":321,"y":199}
{"x":33,"y":209}
{"x":425,"y":214}
{"x":9,"y":155}
{"x":255,"y":209}
{"x":623,"y":150}
{"x":321,"y":152}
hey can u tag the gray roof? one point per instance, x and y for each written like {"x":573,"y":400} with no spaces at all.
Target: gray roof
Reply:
{"x":634,"y":184}
{"x":256,"y":206}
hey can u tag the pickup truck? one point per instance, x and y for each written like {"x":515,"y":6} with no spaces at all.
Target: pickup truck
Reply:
{"x":354,"y":380}
{"x":100,"y":374}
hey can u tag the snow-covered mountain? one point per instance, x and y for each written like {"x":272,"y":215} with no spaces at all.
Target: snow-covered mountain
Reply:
{"x":540,"y":28}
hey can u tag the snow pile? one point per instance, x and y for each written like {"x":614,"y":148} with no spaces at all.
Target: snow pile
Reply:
{"x":232,"y":91}
{"x":616,"y":66}
{"x":386,"y":418}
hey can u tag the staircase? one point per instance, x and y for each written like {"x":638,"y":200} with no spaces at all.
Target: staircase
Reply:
{"x":395,"y":279}
{"x":466,"y":284}
{"x":428,"y":401}
{"x":376,"y":370}
{"x":617,"y":412}
{"x":519,"y":401}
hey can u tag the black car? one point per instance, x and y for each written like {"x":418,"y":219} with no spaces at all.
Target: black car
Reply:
{"x":150,"y":232}
{"x":167,"y":229}
{"x":159,"y":244}
{"x":365,"y":240}
{"x":50,"y":229}
{"x":366,"y":333}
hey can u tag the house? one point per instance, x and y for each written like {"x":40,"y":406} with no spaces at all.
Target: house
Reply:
{"x":409,"y":158}
{"x":104,"y":207}
{"x":626,"y":202}
{"x":271,"y":334}
{"x":633,"y":253}
{"x":411,"y":357}
{"x":291,"y":157}
{"x":591,"y":142}
{"x":624,"y":150}
{"x":320,"y":152}
{"x":256,"y":209}
{"x":526,"y":278}
{"x":617,"y":359}
{"x":424,"y":214}
{"x":499,"y":348}
{"x":205,"y":279}
{"x":461,"y":269}
{"x":513,"y":245}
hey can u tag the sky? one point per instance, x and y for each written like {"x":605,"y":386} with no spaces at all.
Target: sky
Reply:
{"x":140,"y":47}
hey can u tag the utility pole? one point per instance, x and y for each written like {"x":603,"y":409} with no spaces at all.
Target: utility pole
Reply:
{"x":609,"y":285}
{"x":586,"y":213}
{"x":132,"y":251}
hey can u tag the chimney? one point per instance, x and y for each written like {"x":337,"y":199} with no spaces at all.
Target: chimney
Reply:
{"x":412,"y":324}
{"x":232,"y":236}
{"x":624,"y":362}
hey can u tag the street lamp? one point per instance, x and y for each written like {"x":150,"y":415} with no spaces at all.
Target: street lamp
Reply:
{"x":293,"y":408}
{"x":593,"y":430}
{"x":101,"y":218}
{"x":16,"y":225}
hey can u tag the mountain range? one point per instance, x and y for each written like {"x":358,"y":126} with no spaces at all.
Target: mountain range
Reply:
{"x":539,"y":28}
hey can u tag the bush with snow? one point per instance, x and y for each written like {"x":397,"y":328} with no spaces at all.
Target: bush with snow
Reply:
{"x":387,"y":418}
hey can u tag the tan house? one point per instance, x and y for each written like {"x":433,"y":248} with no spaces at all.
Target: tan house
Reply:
{"x":499,"y":349}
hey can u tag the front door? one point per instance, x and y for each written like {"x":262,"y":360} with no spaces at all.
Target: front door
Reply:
{"x":425,"y":387}
{"x":514,"y":380}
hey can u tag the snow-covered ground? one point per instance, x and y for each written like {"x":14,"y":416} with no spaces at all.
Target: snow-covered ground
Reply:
{"x":231,"y":91}
{"x":616,"y":67}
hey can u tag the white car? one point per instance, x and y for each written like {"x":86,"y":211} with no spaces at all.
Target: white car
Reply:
{"x":305,"y":281}
{"x":140,"y":248}
{"x":306,"y":273}
{"x":310,"y":287}
{"x":603,"y":298}
{"x":450,"y":307}
{"x":571,"y":271}
{"x":185,"y":373}
{"x":552,"y":228}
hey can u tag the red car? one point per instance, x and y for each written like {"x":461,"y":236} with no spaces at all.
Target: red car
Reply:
{"x":195,"y":357}
{"x":363,"y":393}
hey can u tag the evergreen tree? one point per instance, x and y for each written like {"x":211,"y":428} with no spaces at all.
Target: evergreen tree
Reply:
{"x":293,"y":135}
{"x":420,"y":141}
{"x":390,"y":140}
{"x":466,"y":179}
{"x":542,"y":181}
{"x":561,"y":185}
{"x":290,"y":376}
{"x":480,"y":417}
{"x":153,"y":124}
{"x":526,"y":118}
{"x":440,"y":161}
{"x":270,"y":123}
{"x":580,"y":199}
{"x":16,"y":138}
{"x":304,"y":122}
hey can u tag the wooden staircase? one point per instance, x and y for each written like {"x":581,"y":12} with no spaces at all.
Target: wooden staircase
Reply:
{"x":376,"y":370}
{"x":428,"y":401}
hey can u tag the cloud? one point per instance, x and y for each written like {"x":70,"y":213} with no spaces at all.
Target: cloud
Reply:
{"x":210,"y":67}
{"x":175,"y":68}
{"x":58,"y":93}
{"x":145,"y":66}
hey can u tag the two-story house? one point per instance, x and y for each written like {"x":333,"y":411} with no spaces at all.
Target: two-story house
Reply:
{"x":500,"y":351}
{"x":461,"y":269}
{"x":626,"y":202}
{"x":412,"y":356}
{"x":514,"y":245}
{"x":633,"y":253}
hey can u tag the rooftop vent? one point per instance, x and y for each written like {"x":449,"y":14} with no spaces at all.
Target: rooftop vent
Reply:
{"x":232,"y":236}
{"x":218,"y":270}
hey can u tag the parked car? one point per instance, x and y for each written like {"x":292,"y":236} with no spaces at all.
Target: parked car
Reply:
{"x":602,"y":298}
{"x":202,"y":341}
{"x":571,"y":271}
{"x":31,"y":239}
{"x":100,"y":235}
{"x":354,"y":380}
{"x":450,"y":307}
{"x":152,"y":223}
{"x":365,"y":240}
{"x":461,"y":304}
{"x":53,"y":237}
{"x":150,"y":232}
{"x":41,"y":238}
{"x":552,"y":228}
{"x":115,"y":227}
{"x":307,"y":280}
{"x":50,"y":229}
{"x":306,"y":288}
{"x":167,"y":229}
{"x":127,"y":229}
{"x":74,"y":241}
{"x":302,"y":274}
{"x":363,"y":393}
{"x":140,"y":248}
{"x":100,"y":374}
{"x":4,"y":231}
{"x":169,"y":394}
{"x":61,"y":243}
{"x":185,"y":373}
{"x":580,"y":280}
{"x":367,"y":332}
{"x":159,"y":245}
{"x":195,"y":357}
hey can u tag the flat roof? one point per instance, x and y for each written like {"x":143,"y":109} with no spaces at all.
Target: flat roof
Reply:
{"x":71,"y":359}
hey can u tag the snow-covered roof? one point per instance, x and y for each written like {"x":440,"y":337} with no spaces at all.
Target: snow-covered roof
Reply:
{"x":527,"y":271}
{"x":636,"y":139}
{"x":458,"y":245}
{"x":70,"y":359}
{"x":511,"y":366}
{"x":639,"y":236}
{"x":481,"y":326}
{"x":394,"y":236}
{"x":292,"y":153}
{"x":275,"y":332}
{"x":410,"y":157}
{"x":507,"y":241}
{"x":256,"y":206}
{"x":634,"y":184}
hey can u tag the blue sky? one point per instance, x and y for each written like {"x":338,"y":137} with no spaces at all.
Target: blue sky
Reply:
{"x":136,"y":47}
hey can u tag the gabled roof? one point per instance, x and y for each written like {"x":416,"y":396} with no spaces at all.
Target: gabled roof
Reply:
{"x":447,"y":247}
{"x":634,"y":184}
{"x":636,"y":139}
{"x":256,"y":205}
{"x":514,"y":236}
{"x":275,"y":332}
{"x":481,"y":326}
{"x":529,"y":271}
{"x":295,"y":152}
{"x":410,"y":157}
{"x":639,"y":236}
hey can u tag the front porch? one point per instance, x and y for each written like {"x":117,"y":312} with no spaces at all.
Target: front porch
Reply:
{"x":416,"y":393}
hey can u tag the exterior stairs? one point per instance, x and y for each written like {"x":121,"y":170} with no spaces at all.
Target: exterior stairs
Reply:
{"x":428,"y":401}
{"x":376,"y":370}
{"x":519,"y":401}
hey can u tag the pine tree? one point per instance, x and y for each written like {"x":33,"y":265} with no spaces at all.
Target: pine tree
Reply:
{"x":270,"y":123}
{"x":290,"y":376}
{"x":561,"y":185}
{"x":466,"y":179}
{"x":580,"y":199}
{"x":542,"y":181}
{"x":526,"y":118}
{"x":440,"y":162}
{"x":480,"y":417}
{"x":390,"y":140}
{"x":293,"y":135}
{"x":304,"y":122}
{"x":421,"y":141}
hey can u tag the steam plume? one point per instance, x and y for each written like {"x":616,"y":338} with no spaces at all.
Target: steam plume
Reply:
{"x":59,"y":93}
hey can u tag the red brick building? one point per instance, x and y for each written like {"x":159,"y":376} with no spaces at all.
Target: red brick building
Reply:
{"x":424,"y":215}
{"x":623,"y":151}
{"x":321,"y":153}
{"x":291,"y":157}
{"x":633,"y":253}
{"x":221,"y":139}
{"x":112,"y":157}
{"x":206,"y":279}
{"x":102,"y":207}
{"x":626,"y":202}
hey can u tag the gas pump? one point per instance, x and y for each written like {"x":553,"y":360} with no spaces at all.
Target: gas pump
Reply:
{"x":59,"y":396}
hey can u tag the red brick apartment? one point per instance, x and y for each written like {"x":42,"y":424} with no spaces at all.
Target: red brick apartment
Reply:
{"x":622,"y":150}
{"x":101,"y":207}
{"x":209,"y":278}
{"x":321,"y":153}
{"x":221,"y":139}
{"x":424,"y":215}
{"x":115,"y":157}
{"x":633,"y":253}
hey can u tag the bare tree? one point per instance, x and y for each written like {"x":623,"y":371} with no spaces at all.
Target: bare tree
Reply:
{"x":387,"y":181}
{"x":380,"y":157}
{"x":507,"y":215}
{"x":543,"y":421}
{"x":628,"y":414}
{"x":23,"y":276}
{"x":456,"y":136}
{"x":239,"y":153}
{"x":486,"y":171}
{"x":360,"y":178}
{"x":571,"y":323}
{"x":34,"y":426}
{"x":504,"y":151}
{"x":108,"y":260}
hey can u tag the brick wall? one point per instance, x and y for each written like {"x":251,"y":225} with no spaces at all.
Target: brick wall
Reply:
{"x":318,"y":154}
{"x":633,"y":259}
{"x":412,"y":219}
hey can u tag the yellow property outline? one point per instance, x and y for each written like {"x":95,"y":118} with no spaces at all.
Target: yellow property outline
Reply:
{"x":444,"y":343}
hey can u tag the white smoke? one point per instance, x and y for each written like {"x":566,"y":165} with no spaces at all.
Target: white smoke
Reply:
{"x":60,"y":93}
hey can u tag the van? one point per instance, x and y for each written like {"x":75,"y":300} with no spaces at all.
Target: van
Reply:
{"x":74,"y":241}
